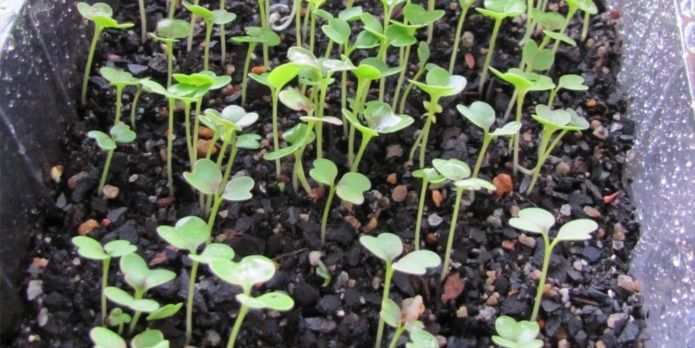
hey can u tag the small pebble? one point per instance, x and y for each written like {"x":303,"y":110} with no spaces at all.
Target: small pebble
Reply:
{"x":563,"y":343}
{"x":566,"y":210}
{"x":213,"y":337}
{"x":508,"y":244}
{"x":592,"y":212}
{"x":562,"y":169}
{"x":56,"y":173}
{"x":595,"y":124}
{"x":110,"y":191}
{"x":462,"y":312}
{"x":601,"y":133}
{"x":467,"y":39}
{"x":42,"y":318}
{"x":230,"y":69}
{"x":34,"y":289}
{"x":133,"y":178}
{"x":399,"y":193}
{"x":536,"y":274}
{"x":203,"y":146}
{"x":394,"y":150}
{"x":87,"y":227}
{"x":392,"y":178}
{"x":492,"y":301}
{"x":437,"y":198}
{"x":615,"y":319}
{"x":527,"y":241}
{"x":434,"y":220}
{"x":314,"y":258}
{"x":75,"y":178}
{"x":626,"y":282}
{"x":431,"y":238}
{"x":591,"y":103}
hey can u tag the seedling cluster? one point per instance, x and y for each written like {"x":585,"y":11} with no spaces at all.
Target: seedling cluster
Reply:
{"x":299,"y":90}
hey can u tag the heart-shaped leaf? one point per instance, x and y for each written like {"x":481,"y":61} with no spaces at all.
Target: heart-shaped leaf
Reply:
{"x":214,"y":251}
{"x":250,"y":270}
{"x":584,"y":5}
{"x":258,"y":35}
{"x":366,"y":40}
{"x":553,"y":118}
{"x":560,"y":37}
{"x":417,"y":262}
{"x":535,"y":220}
{"x":399,"y":35}
{"x":381,"y":118}
{"x":119,"y":247}
{"x":503,"y":8}
{"x":275,"y":300}
{"x":139,"y":276}
{"x":118,"y":77}
{"x":218,"y":81}
{"x":537,"y":59}
{"x":223,"y":123}
{"x":452,"y":169}
{"x":577,"y":122}
{"x":119,"y":296}
{"x":572,"y":82}
{"x":386,"y":246}
{"x":479,"y":113}
{"x":200,"y":11}
{"x":337,"y":30}
{"x":103,"y":140}
{"x":325,"y":119}
{"x":372,"y":25}
{"x":548,"y":20}
{"x":105,"y":338}
{"x":417,"y":15}
{"x":350,"y":14}
{"x":302,"y":57}
{"x":122,"y":133}
{"x":508,"y":129}
{"x":431,"y":174}
{"x":222,"y":17}
{"x":98,"y":9}
{"x":117,"y":317}
{"x":237,"y":115}
{"x":422,"y":339}
{"x":286,"y":151}
{"x":238,"y":189}
{"x":474,"y":184}
{"x":188,"y":233}
{"x":576,"y":230}
{"x":295,"y":100}
{"x":516,"y":334}
{"x":352,"y":186}
{"x":367,"y":71}
{"x":173,"y":28}
{"x":324,"y":171}
{"x":281,"y":75}
{"x":514,"y":77}
{"x":149,"y":339}
{"x":440,"y":84}
{"x":144,"y":305}
{"x":165,"y":311}
{"x":89,"y":248}
{"x":248,"y":141}
{"x":206,"y":176}
{"x":423,"y":52}
{"x":390,"y":313}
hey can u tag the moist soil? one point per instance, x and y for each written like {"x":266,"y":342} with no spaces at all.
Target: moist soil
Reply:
{"x":590,"y":300}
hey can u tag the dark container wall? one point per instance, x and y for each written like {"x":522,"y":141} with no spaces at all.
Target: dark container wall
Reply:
{"x":44,"y":47}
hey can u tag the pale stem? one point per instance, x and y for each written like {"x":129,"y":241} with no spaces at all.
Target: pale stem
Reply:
{"x":450,"y":239}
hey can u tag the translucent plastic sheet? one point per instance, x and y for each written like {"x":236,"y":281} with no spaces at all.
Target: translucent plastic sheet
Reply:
{"x":655,"y":77}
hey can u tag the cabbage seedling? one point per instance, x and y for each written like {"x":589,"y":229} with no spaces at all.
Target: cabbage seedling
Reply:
{"x":423,"y":55}
{"x":350,"y":188}
{"x":313,"y":8}
{"x":91,"y":249}
{"x":118,"y":318}
{"x":388,"y":247}
{"x":571,"y":82}
{"x":537,"y":220}
{"x":168,"y":32}
{"x":497,"y":10}
{"x":141,"y":278}
{"x":553,"y":121}
{"x":380,"y":120}
{"x":405,"y":319}
{"x":120,"y":79}
{"x":465,"y":5}
{"x":134,"y":105}
{"x":207,"y":179}
{"x":535,"y":57}
{"x":513,"y":334}
{"x":99,"y":13}
{"x":422,"y":339}
{"x":482,"y":115}
{"x":428,"y":175}
{"x":189,"y":233}
{"x":120,"y":133}
{"x":402,"y":35}
{"x":254,"y":35}
{"x":275,"y":80}
{"x":438,"y":84}
{"x":523,"y":82}
{"x":458,"y":172}
{"x":105,"y":338}
{"x":219,"y":17}
{"x":251,"y":270}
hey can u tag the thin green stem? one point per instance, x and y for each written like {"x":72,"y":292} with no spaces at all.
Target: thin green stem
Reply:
{"x":247,"y":62}
{"x":319,"y":114}
{"x":104,"y":283}
{"x":329,"y":47}
{"x":189,"y":302}
{"x":419,"y":73}
{"x":187,"y":125}
{"x":488,"y":57}
{"x":519,"y":108}
{"x":396,"y":336}
{"x":237,"y":325}
{"x":430,"y":27}
{"x":208,"y":35}
{"x":401,"y":77}
{"x":189,"y":43}
{"x":544,"y":273}
{"x":170,"y":59}
{"x":213,"y":214}
{"x":365,"y":140}
{"x":307,"y":14}
{"x":486,"y":142}
{"x":297,"y":22}
{"x":312,"y":33}
{"x":425,"y":135}
{"x":551,"y":98}
{"x":136,"y":316}
{"x":143,"y":21}
{"x":362,"y":89}
{"x":298,"y":173}
{"x":196,"y":129}
{"x":119,"y":95}
{"x":326,"y":210}
{"x":172,"y":8}
{"x":276,"y":139}
{"x":457,"y":39}
{"x":585,"y":25}
{"x":134,"y":106}
{"x":170,"y":145}
{"x":420,"y":208}
{"x":417,"y":142}
{"x":529,"y":28}
{"x":387,"y":287}
{"x":230,"y":164}
{"x":450,"y":239}
{"x":97,"y":31}
{"x":105,"y":172}
{"x":543,"y":152}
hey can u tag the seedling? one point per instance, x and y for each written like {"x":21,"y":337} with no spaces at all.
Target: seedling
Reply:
{"x":117,"y":318}
{"x":189,"y":233}
{"x":458,"y":172}
{"x":142,"y":279}
{"x":465,"y":5}
{"x":571,"y":82}
{"x":537,"y":220}
{"x":402,"y":35}
{"x":254,"y":35}
{"x":207,"y":179}
{"x":105,"y":338}
{"x":402,"y":319}
{"x":523,"y":82}
{"x":314,"y":6}
{"x":219,"y":17}
{"x":168,"y":32}
{"x":321,"y":269}
{"x":201,"y":85}
{"x":553,"y":121}
{"x":438,"y":84}
{"x":498,"y":10}
{"x":99,"y":13}
{"x":428,"y":175}
{"x":134,"y":105}
{"x":251,"y":270}
{"x":423,"y":55}
{"x":388,"y":247}
{"x":120,"y":79}
{"x":422,"y":339}
{"x":91,"y":249}
{"x":350,"y":188}
{"x":513,"y":334}
{"x":276,"y":80}
{"x":120,"y":133}
{"x":380,"y":120}
{"x":482,"y":115}
{"x":535,"y":57}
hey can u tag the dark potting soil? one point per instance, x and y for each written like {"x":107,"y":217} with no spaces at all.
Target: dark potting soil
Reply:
{"x":590,"y":300}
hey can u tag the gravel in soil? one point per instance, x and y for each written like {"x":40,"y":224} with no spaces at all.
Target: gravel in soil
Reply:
{"x":590,"y":299}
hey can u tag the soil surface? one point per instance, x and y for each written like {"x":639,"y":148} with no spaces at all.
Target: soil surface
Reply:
{"x":590,"y":300}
